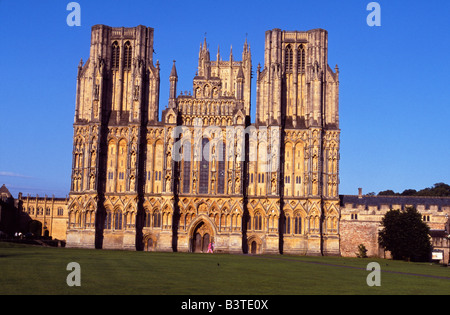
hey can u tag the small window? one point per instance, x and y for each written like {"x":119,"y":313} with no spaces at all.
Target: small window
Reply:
{"x":118,"y":220}
{"x":298,"y":224}
{"x":115,"y":56}
{"x":288,"y":58}
{"x":156,"y":219}
{"x":287,"y":225}
{"x":108,"y":220}
{"x":128,"y":59}
{"x":257,"y":222}
{"x":301,"y":59}
{"x":148,"y":217}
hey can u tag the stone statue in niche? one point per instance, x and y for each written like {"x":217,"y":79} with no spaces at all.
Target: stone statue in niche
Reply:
{"x":93,"y":158}
{"x":169,"y":160}
{"x":274,"y":184}
{"x":194,"y":182}
{"x":168,"y":184}
{"x":133,"y":159}
{"x":315,"y":160}
{"x":213,"y":185}
{"x":92,"y":182}
{"x":238,"y":185}
{"x":136,"y":93}
{"x":96,"y":92}
{"x":315,"y":185}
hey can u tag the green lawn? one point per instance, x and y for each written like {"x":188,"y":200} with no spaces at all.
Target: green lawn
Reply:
{"x":41,"y":270}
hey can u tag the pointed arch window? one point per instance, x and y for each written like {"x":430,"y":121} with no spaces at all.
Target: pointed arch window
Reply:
{"x":288,"y":58}
{"x":287,"y":224}
{"x":186,"y":167}
{"x":156,"y":219}
{"x":148,"y":217}
{"x":108,"y":220}
{"x":115,"y":56}
{"x":128,"y":51}
{"x":221,"y":182}
{"x":204,"y":168}
{"x":298,"y":224}
{"x":257,"y":222}
{"x":118,"y":220}
{"x":301,"y":59}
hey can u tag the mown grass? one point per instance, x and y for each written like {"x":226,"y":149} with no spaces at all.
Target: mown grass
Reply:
{"x":39,"y":270}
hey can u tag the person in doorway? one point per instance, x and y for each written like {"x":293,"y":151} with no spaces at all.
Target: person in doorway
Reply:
{"x":210,"y":248}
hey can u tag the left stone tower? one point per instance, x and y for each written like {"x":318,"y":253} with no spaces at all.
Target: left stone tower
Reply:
{"x":117,"y":96}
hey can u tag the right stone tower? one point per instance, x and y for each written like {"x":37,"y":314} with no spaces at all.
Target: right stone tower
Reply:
{"x":298,"y":95}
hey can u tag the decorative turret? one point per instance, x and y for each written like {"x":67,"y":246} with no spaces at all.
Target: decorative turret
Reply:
{"x":204,"y":63}
{"x":173,"y":78}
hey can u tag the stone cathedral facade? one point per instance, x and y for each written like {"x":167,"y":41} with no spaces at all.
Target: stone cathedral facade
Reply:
{"x":203,"y":172}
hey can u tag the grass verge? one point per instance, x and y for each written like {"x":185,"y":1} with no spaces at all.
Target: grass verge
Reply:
{"x":41,"y":270}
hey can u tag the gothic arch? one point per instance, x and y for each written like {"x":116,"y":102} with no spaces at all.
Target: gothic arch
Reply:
{"x":314,"y":220}
{"x":289,"y":58}
{"x":254,"y":245}
{"x":150,"y":242}
{"x":202,"y":231}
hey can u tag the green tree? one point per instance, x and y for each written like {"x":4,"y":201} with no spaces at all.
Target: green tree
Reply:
{"x":362,"y":251}
{"x":439,"y":189}
{"x":388,"y":192}
{"x":405,"y":235}
{"x":409,"y":192}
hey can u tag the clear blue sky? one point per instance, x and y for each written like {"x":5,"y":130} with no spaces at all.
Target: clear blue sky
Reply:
{"x":394,"y":87}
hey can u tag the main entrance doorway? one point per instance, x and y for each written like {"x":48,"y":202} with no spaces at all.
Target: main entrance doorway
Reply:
{"x":201,"y":237}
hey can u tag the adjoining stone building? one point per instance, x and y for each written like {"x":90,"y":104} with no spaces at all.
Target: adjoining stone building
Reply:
{"x":361,"y":217}
{"x":50,"y":212}
{"x":42,"y":216}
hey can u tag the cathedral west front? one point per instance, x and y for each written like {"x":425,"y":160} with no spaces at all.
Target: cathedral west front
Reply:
{"x":203,"y":172}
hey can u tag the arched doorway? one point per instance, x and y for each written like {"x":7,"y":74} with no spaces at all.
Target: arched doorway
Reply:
{"x":254,"y":247}
{"x":149,"y":243}
{"x":201,"y":237}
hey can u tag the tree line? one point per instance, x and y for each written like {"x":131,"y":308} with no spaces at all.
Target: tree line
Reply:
{"x":437,"y":190}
